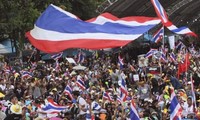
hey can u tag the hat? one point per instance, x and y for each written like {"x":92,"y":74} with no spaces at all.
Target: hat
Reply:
{"x":26,"y":97}
{"x":55,"y":89}
{"x":129,"y":89}
{"x":2,"y":95}
{"x":16,"y":109}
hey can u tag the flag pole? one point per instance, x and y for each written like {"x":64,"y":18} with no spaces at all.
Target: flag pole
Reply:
{"x":193,"y":95}
{"x":186,"y":60}
{"x":163,"y":37}
{"x":163,"y":46}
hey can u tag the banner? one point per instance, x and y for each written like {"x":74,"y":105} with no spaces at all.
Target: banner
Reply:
{"x":153,"y":70}
{"x":142,"y":61}
{"x":172,"y":42}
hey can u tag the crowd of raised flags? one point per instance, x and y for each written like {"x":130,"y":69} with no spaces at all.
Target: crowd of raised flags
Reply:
{"x":125,"y":95}
{"x":105,"y":90}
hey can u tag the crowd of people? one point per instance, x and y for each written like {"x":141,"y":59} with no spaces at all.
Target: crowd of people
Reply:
{"x":94,"y":92}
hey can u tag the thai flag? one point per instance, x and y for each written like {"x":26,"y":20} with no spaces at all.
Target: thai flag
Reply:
{"x":68,"y":91}
{"x":33,"y":66}
{"x":119,"y":100}
{"x":51,"y":107}
{"x":88,"y":115}
{"x":120,"y":62}
{"x":81,"y":57}
{"x":163,"y":57}
{"x":158,"y":36}
{"x":57,"y":67}
{"x":81,"y":83}
{"x":175,"y":108}
{"x":107,"y":96}
{"x":180,"y":46}
{"x":54,"y":32}
{"x":57,"y":56}
{"x":96,"y":106}
{"x":133,"y":112}
{"x":164,"y":18}
{"x":26,"y":74}
{"x":151,"y":52}
{"x":123,"y":90}
{"x":173,"y":57}
{"x":7,"y":71}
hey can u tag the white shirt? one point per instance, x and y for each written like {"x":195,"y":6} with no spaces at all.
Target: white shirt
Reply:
{"x":82,"y":102}
{"x":3,"y":87}
{"x":190,"y":109}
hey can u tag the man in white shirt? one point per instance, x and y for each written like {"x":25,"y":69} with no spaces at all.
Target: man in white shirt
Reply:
{"x":189,"y":108}
{"x":82,"y":104}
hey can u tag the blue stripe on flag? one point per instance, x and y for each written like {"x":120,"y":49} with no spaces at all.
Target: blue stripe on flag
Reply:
{"x":49,"y":21}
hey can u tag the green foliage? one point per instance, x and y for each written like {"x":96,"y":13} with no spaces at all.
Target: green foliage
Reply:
{"x":85,"y":9}
{"x":18,"y":16}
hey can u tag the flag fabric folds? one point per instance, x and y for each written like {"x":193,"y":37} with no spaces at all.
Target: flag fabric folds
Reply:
{"x":81,"y":84}
{"x":107,"y":96}
{"x":151,"y":52}
{"x":173,"y":57}
{"x":133,"y":112}
{"x":81,"y":57}
{"x":164,"y":18}
{"x":123,"y":90}
{"x":183,"y":67}
{"x":57,"y":56}
{"x":175,"y":107}
{"x":179,"y":45}
{"x":68,"y":91}
{"x":56,"y":30}
{"x":26,"y":74}
{"x":120,"y":62}
{"x":51,"y":107}
{"x":158,"y":36}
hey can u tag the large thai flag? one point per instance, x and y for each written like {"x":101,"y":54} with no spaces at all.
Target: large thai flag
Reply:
{"x":123,"y":90}
{"x":133,"y":112}
{"x":151,"y":53}
{"x":175,"y":107}
{"x":81,"y":83}
{"x":160,"y":11}
{"x":158,"y":36}
{"x":51,"y":107}
{"x":68,"y":91}
{"x":57,"y":30}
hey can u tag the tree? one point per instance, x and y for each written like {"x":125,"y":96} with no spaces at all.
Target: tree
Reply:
{"x":18,"y":16}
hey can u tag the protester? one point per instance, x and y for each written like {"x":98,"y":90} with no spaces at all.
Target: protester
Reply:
{"x":97,"y":91}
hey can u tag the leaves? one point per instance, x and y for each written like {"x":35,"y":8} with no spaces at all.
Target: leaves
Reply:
{"x":18,"y":16}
